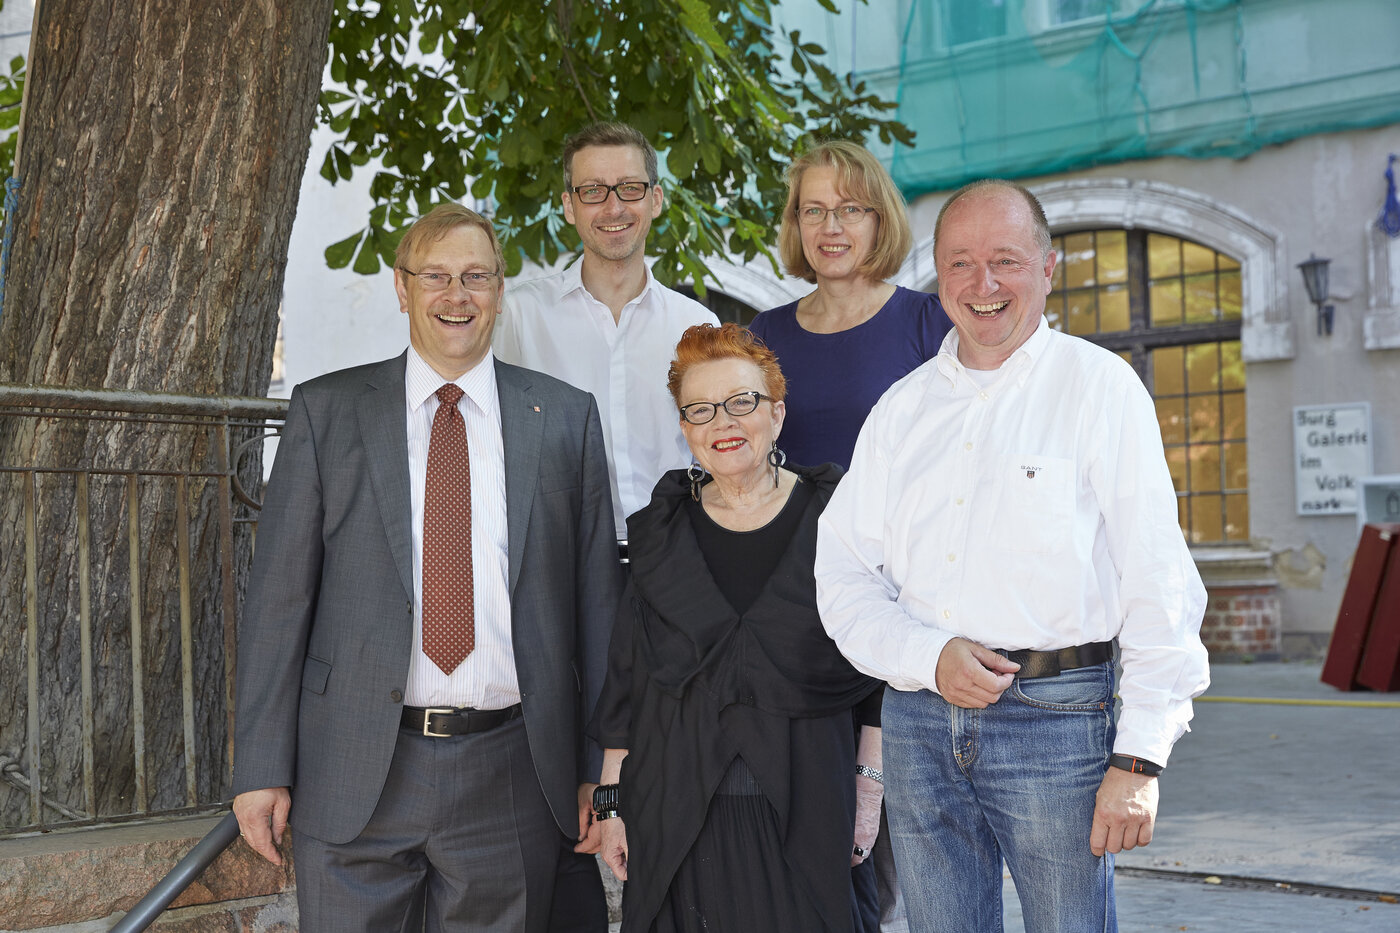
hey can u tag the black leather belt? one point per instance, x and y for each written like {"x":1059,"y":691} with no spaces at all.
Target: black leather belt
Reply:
{"x":1050,"y":663}
{"x":442,"y":721}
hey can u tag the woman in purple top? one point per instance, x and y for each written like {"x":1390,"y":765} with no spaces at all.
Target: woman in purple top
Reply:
{"x":855,"y":335}
{"x":840,"y":347}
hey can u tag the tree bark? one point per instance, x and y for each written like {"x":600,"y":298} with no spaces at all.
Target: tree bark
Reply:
{"x":162,"y":151}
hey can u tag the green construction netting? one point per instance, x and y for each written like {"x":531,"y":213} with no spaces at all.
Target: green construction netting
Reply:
{"x":1014,"y":88}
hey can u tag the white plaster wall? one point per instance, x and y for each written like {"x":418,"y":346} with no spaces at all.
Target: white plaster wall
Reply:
{"x":333,"y":318}
{"x":1319,"y":194}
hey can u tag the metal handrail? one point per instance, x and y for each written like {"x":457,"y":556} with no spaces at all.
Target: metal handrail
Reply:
{"x":150,"y":907}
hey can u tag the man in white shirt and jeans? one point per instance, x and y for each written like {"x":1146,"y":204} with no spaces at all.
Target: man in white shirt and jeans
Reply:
{"x":604,"y":324}
{"x":1008,"y":516}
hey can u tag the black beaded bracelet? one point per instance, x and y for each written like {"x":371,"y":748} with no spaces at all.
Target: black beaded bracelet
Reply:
{"x":606,"y":799}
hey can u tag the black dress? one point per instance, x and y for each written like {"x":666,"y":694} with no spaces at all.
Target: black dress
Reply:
{"x":738,"y":790}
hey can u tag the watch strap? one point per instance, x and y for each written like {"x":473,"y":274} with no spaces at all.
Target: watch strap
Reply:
{"x":1135,"y":765}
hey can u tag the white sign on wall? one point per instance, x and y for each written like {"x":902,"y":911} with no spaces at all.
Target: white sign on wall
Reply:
{"x":1331,"y":450}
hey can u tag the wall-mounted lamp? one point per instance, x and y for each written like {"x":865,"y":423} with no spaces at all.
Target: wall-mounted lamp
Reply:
{"x":1315,"y":280}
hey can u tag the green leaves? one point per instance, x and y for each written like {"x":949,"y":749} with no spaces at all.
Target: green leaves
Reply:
{"x":447,"y":95}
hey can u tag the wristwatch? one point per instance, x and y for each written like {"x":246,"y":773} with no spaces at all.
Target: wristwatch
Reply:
{"x":605,"y":801}
{"x":1135,"y":765}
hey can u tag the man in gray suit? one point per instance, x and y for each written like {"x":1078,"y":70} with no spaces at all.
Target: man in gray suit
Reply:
{"x":423,"y":637}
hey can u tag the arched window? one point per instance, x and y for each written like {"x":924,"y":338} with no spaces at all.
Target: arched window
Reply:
{"x":1171,"y":308}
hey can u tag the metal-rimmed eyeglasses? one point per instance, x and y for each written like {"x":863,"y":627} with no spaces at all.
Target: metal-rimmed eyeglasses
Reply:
{"x":597,"y":194}
{"x":439,"y":281}
{"x":847,"y":214}
{"x":737,"y":405}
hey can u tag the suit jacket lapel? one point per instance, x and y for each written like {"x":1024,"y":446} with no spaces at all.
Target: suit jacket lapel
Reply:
{"x":384,"y":427}
{"x":522,"y":430}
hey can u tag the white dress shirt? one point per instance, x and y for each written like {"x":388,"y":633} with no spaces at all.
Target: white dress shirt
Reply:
{"x":555,"y":326}
{"x":1034,"y":511}
{"x":487,"y":678}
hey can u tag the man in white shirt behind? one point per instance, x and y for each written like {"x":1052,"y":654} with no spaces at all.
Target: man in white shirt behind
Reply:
{"x":604,"y":324}
{"x":1007,"y":518}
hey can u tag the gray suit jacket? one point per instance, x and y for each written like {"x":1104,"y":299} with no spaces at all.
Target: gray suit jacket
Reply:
{"x":327,"y":627}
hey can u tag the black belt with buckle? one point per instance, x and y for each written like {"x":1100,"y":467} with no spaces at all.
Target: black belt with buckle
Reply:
{"x":441,"y":721}
{"x":1050,"y":663}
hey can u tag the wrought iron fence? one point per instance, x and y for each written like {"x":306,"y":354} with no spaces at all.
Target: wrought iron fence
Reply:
{"x":127,"y":521}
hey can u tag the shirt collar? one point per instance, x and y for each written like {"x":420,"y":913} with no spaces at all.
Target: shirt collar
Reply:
{"x":421,"y":381}
{"x":572,"y":281}
{"x":1019,"y":363}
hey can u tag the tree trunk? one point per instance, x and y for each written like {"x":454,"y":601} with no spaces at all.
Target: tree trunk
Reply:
{"x":162,"y":152}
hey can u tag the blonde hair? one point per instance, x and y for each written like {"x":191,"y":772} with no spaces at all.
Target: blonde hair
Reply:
{"x":860,"y":177}
{"x":439,"y":222}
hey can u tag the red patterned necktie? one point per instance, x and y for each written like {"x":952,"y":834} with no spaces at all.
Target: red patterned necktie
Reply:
{"x":449,"y":622}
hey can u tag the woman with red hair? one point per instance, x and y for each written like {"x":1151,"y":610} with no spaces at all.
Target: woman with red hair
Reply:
{"x":726,"y":713}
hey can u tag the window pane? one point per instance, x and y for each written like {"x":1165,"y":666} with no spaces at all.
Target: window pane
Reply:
{"x":1231,"y":298}
{"x":1176,"y":465}
{"x":1205,"y":468}
{"x":1202,"y":368}
{"x":1054,"y":310}
{"x":1237,"y":518}
{"x":1113,"y":309}
{"x":1196,"y":258}
{"x":1200,"y":299}
{"x":1231,"y":366}
{"x":1167,"y":368}
{"x":1205,"y":419}
{"x":1233,"y":426}
{"x":1171,"y":417}
{"x":1205,"y":519}
{"x":1112,"y":249}
{"x":1081,"y":313}
{"x":1163,"y":256}
{"x":1057,"y":278}
{"x":1164,"y":302}
{"x":1226,"y":262}
{"x":1079,"y":260}
{"x":1236,"y":466}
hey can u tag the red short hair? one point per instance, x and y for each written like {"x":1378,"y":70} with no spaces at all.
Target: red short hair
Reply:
{"x":704,"y":343}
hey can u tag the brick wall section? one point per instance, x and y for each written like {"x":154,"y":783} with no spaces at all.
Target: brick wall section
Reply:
{"x":1241,"y":621}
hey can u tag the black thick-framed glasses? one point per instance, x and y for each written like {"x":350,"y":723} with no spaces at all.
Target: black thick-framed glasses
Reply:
{"x":439,"y":281}
{"x":737,"y":405}
{"x":597,"y":194}
{"x":847,"y":214}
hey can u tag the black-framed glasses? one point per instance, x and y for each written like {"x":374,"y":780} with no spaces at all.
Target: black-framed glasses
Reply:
{"x":439,"y":281}
{"x":847,"y":214}
{"x":737,"y":405}
{"x":597,"y":194}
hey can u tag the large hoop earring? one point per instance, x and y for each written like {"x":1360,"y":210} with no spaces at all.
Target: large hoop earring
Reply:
{"x":777,"y":458}
{"x":695,"y":473}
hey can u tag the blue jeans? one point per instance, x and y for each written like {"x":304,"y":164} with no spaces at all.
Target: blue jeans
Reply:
{"x":968,"y":788}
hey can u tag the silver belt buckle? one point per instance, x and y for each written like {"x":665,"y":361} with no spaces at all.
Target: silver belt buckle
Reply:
{"x":427,"y":717}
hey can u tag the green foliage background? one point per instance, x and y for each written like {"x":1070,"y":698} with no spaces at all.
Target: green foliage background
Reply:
{"x":455,"y":98}
{"x":475,"y":97}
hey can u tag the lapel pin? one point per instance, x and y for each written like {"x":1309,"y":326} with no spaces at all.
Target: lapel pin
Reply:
{"x":536,"y":408}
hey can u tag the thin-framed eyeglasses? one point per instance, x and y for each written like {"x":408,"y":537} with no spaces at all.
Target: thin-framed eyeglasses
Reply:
{"x":597,"y":194}
{"x":737,"y":405}
{"x":848,"y":215}
{"x":439,"y":281}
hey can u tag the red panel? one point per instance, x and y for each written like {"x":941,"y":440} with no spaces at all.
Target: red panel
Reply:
{"x":1358,"y":606}
{"x":1380,"y":662}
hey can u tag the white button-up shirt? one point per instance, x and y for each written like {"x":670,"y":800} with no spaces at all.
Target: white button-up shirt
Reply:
{"x":1034,"y":511}
{"x":555,"y":326}
{"x":487,"y":678}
